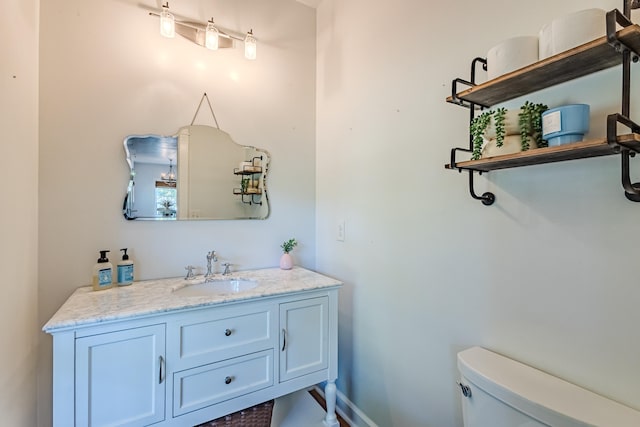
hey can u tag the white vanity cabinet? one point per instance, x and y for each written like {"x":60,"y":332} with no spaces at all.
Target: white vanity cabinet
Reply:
{"x":189,"y":365}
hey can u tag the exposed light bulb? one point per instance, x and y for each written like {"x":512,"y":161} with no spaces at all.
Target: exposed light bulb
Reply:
{"x":211,"y":36}
{"x":167,"y":22}
{"x":250,"y":46}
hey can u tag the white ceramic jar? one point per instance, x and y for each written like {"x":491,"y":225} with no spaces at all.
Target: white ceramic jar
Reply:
{"x":511,"y":54}
{"x":571,"y":31}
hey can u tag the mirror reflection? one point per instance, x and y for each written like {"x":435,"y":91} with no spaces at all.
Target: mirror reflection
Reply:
{"x":199,"y":173}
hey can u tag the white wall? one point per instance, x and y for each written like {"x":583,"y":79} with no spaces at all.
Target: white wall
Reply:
{"x":548,"y":275}
{"x":19,"y":212}
{"x":105,"y":72}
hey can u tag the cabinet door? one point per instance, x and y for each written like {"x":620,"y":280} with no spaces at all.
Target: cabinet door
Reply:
{"x":304,"y":337}
{"x":120,"y":377}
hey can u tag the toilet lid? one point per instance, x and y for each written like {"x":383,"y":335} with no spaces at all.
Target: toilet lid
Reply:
{"x":540,"y":395}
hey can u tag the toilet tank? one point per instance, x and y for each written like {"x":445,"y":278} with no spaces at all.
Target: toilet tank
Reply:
{"x":507,"y":393}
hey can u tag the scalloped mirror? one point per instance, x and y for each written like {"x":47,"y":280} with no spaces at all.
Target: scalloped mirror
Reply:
{"x":198,"y":174}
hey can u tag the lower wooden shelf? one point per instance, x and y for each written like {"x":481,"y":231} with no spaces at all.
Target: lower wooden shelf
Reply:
{"x":249,"y":192}
{"x":538,"y":156}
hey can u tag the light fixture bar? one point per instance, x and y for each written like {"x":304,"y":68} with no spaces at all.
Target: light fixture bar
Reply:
{"x":197,"y":33}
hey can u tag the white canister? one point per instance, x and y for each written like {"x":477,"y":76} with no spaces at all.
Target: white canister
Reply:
{"x":545,"y":42}
{"x":571,"y":31}
{"x":511,"y":54}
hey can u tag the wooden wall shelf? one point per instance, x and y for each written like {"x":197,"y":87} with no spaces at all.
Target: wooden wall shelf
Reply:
{"x":577,"y":62}
{"x":538,"y":156}
{"x":616,"y":48}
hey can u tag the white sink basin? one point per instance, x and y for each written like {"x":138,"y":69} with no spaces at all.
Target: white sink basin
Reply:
{"x":217,"y":287}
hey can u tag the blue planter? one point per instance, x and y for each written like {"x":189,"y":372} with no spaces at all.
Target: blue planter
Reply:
{"x":566,"y":124}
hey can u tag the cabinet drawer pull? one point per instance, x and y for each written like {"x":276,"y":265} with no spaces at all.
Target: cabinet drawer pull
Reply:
{"x":284,"y":339}
{"x":161,"y":374}
{"x":228,"y":380}
{"x":227,"y":332}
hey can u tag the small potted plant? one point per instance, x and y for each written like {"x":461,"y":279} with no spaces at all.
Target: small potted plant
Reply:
{"x":286,"y":262}
{"x":507,"y":131}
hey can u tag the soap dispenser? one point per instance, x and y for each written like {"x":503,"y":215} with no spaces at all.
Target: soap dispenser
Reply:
{"x":102,"y":273}
{"x":125,"y":269}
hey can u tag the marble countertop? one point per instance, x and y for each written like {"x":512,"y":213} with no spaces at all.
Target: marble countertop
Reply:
{"x":87,"y":307}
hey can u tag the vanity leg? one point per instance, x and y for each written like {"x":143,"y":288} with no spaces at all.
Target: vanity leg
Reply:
{"x":330,"y":398}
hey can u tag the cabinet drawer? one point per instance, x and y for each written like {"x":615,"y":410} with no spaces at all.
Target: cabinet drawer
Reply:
{"x":222,"y":334}
{"x":207,"y":385}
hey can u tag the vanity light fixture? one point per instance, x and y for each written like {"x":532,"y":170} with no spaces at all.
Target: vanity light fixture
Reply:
{"x":211,"y":36}
{"x":169,"y":176}
{"x":167,"y":22}
{"x":250,"y":46}
{"x":207,"y":35}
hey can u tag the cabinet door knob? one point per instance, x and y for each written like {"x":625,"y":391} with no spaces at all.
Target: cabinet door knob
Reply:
{"x":228,"y":380}
{"x":284,"y":339}
{"x":227,"y":332}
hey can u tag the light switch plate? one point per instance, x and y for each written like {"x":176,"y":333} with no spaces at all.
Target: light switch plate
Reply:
{"x":340,"y":231}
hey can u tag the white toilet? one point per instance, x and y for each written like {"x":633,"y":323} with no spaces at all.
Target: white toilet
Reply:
{"x":500,"y":392}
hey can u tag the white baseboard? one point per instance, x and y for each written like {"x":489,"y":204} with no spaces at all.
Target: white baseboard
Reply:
{"x":349,"y":411}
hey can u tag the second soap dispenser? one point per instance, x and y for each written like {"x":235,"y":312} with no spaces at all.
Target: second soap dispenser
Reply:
{"x":125,"y":269}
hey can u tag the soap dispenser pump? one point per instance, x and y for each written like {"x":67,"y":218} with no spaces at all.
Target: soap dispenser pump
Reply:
{"x":102,"y":273}
{"x":125,"y":269}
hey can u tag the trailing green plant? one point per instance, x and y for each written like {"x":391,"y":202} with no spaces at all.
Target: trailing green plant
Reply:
{"x":288,"y":245}
{"x":498,"y":123}
{"x":478,"y":126}
{"x":529,"y":122}
{"x":244,"y":184}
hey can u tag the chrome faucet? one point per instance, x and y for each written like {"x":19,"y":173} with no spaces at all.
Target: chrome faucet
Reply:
{"x":190,"y":275}
{"x":211,"y":257}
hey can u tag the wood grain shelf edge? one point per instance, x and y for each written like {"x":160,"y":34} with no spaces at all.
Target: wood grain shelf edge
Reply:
{"x":577,"y":150}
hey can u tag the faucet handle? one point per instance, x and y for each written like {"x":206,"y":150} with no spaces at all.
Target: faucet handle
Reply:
{"x":190,"y":275}
{"x":226,"y":266}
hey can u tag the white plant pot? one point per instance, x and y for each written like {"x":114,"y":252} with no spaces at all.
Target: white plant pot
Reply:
{"x":512,"y":144}
{"x":512,"y":127}
{"x":512,"y":141}
{"x":286,"y":262}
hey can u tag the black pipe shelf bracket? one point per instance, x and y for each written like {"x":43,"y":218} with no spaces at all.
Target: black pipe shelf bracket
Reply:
{"x":487,"y":198}
{"x":629,"y":55}
{"x":628,"y":46}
